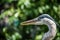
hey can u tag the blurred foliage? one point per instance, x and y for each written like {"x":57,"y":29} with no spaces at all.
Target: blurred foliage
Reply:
{"x":13,"y":12}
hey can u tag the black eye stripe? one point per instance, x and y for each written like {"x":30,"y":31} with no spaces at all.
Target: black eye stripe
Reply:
{"x":45,"y":16}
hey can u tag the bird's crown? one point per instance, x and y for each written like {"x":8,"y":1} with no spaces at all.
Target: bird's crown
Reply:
{"x":45,"y":16}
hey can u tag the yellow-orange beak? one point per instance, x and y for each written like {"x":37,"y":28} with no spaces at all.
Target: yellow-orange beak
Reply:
{"x":29,"y":22}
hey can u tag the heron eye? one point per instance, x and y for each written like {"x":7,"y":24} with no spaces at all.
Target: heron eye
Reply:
{"x":40,"y":18}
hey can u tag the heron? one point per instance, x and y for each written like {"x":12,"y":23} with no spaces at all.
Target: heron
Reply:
{"x":44,"y":19}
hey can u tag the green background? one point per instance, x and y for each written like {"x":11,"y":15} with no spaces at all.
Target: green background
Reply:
{"x":13,"y":12}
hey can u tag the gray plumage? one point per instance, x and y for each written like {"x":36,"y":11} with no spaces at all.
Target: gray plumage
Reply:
{"x":49,"y":21}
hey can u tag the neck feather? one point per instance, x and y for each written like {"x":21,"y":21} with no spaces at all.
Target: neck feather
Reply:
{"x":52,"y":30}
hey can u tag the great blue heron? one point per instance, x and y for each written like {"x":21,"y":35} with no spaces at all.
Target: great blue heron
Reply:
{"x":47,"y":20}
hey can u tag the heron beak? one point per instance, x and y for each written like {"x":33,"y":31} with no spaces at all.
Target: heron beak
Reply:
{"x":29,"y":22}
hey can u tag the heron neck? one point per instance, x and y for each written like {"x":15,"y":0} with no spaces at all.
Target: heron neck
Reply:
{"x":52,"y":29}
{"x":52,"y":26}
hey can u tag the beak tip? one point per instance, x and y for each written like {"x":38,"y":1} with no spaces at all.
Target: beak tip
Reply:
{"x":21,"y":23}
{"x":30,"y":22}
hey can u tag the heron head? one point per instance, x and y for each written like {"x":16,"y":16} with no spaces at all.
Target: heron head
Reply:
{"x":37,"y":21}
